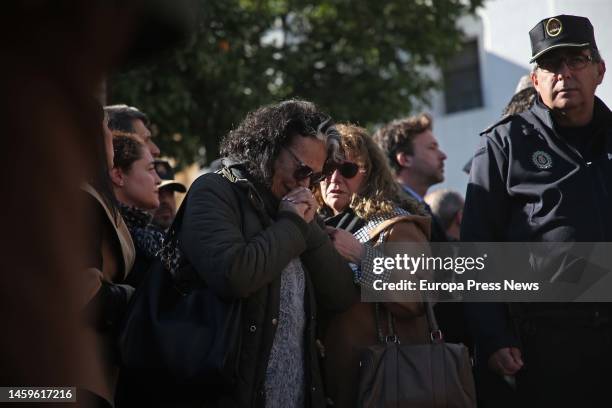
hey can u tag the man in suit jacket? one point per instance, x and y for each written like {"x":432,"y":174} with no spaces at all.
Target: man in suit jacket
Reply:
{"x":416,"y":158}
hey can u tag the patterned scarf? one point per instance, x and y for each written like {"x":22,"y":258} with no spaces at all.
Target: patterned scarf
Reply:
{"x":148,"y":238}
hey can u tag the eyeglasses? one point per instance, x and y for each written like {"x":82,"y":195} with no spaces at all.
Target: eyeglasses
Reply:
{"x":573,"y":62}
{"x":347,"y":169}
{"x":304,"y":171}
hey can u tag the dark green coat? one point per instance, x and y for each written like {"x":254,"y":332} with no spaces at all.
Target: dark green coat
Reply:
{"x":224,"y":238}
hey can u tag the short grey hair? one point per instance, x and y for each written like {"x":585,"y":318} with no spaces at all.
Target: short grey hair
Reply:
{"x":445,"y":204}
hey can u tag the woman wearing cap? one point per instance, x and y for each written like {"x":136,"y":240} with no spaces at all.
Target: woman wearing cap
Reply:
{"x":135,"y":183}
{"x":366,"y":207}
{"x":251,"y":233}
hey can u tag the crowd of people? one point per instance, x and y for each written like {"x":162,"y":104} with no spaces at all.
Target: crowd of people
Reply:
{"x":290,"y":222}
{"x":314,"y":201}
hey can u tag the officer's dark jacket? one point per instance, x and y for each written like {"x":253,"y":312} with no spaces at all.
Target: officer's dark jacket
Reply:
{"x":562,"y":198}
{"x":528,"y":185}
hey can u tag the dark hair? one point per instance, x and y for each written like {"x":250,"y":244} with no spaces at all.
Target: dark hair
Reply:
{"x":257,"y":141}
{"x":398,"y":135}
{"x":121,"y":117}
{"x":128,"y":149}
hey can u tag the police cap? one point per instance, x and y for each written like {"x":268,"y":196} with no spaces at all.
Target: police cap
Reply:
{"x":560,"y":31}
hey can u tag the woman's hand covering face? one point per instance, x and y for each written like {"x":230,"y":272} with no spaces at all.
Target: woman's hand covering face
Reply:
{"x":300,"y":201}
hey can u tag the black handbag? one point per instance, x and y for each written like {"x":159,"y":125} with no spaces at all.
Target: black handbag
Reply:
{"x":180,"y":332}
{"x":191,"y":337}
{"x":437,"y":374}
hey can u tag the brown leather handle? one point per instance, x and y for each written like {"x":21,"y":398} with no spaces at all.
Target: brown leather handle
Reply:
{"x":434,"y":330}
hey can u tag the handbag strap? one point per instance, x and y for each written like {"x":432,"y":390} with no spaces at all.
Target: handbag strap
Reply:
{"x":380,"y":228}
{"x":254,"y":196}
{"x":171,"y":235}
{"x":391,"y":336}
{"x":170,"y":255}
{"x":226,"y":172}
{"x":435,"y":334}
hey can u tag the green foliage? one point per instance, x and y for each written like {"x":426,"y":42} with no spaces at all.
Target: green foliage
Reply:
{"x":360,"y":60}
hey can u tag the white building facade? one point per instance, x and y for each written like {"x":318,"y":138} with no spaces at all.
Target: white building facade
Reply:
{"x":499,"y":37}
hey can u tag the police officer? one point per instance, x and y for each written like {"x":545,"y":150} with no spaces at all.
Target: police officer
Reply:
{"x":546,"y":175}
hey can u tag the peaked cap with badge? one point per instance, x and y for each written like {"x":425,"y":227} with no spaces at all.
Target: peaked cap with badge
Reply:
{"x":559,"y":32}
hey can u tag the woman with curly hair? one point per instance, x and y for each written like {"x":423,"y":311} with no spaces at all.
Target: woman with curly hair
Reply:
{"x":365,"y":208}
{"x":251,"y":232}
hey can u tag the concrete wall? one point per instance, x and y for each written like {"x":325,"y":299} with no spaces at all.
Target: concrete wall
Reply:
{"x":502,"y":28}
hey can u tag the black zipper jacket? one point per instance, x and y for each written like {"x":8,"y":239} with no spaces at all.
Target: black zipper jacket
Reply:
{"x":528,"y":184}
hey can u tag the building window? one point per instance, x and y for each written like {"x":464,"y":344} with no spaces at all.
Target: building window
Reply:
{"x":462,"y":89}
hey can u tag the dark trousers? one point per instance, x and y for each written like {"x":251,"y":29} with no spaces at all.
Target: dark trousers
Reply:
{"x":565,"y":365}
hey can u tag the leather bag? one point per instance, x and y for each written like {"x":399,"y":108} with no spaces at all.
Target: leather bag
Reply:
{"x":437,"y":374}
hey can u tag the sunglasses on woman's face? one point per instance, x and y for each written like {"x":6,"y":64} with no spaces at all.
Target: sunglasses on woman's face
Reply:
{"x":347,"y":169}
{"x":303,"y":171}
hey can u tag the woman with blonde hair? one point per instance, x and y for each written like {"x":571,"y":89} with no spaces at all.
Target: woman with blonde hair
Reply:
{"x":365,"y":207}
{"x":108,"y":259}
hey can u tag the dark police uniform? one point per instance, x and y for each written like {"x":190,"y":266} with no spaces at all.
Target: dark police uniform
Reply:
{"x":534,"y":181}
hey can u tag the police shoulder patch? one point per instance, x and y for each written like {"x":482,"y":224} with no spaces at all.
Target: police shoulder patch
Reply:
{"x":542,"y":160}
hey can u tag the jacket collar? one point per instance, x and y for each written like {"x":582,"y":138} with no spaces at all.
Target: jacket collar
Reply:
{"x":601,"y":114}
{"x":260,"y":195}
{"x":602,"y":117}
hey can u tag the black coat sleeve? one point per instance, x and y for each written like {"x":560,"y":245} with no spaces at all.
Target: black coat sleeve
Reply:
{"x":212,"y":240}
{"x":485,"y":215}
{"x":485,"y":219}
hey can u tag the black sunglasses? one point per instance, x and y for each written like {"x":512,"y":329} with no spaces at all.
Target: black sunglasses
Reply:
{"x":347,"y":169}
{"x":304,"y":171}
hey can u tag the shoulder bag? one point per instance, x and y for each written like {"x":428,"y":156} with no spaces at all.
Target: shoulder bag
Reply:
{"x":437,"y":374}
